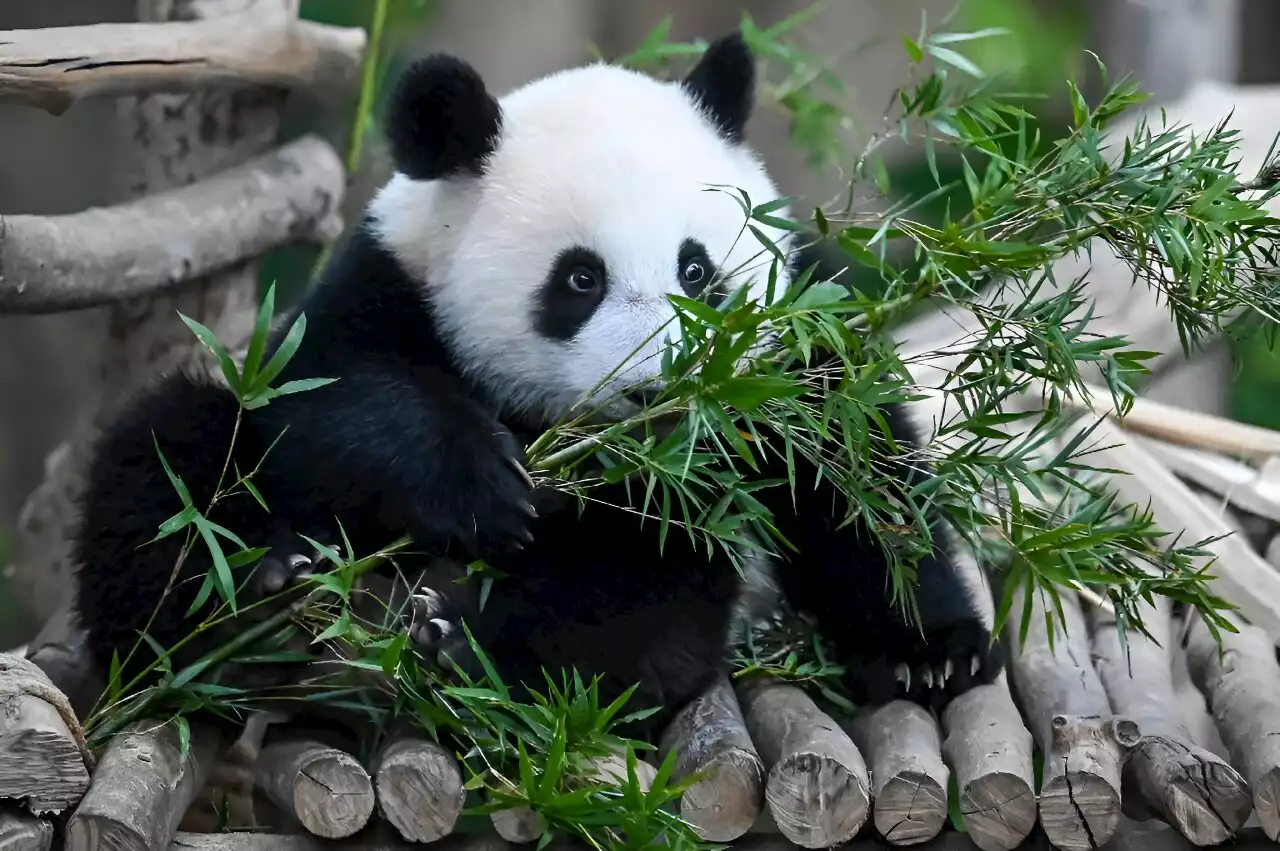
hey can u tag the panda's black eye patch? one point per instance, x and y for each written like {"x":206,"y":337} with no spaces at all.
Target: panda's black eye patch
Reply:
{"x":695,"y":271}
{"x":573,"y":289}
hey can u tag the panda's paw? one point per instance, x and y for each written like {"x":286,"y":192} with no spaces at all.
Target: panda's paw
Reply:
{"x":494,"y":513}
{"x":935,"y":668}
{"x":284,"y":565}
{"x":433,"y":625}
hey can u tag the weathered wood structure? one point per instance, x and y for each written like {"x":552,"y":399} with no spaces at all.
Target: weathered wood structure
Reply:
{"x":776,"y":769}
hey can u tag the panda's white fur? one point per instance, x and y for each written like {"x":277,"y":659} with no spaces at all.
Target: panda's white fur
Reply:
{"x":599,"y":156}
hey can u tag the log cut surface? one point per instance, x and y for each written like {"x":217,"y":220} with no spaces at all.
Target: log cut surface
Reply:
{"x":1068,"y":714}
{"x":419,"y":787}
{"x":902,"y":743}
{"x":323,"y":788}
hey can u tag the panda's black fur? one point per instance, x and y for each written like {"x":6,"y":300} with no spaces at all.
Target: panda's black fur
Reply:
{"x":402,"y":442}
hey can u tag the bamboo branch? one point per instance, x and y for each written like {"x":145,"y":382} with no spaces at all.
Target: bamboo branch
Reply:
{"x":1242,"y":684}
{"x":264,"y":45}
{"x":1240,"y":575}
{"x":1182,"y":426}
{"x":144,"y":247}
{"x":1186,"y":785}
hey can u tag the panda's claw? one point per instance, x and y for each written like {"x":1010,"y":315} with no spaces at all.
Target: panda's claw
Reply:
{"x":519,"y":469}
{"x":275,"y":573}
{"x":431,"y":625}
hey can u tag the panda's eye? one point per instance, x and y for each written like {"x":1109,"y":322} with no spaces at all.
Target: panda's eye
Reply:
{"x":693,"y":272}
{"x":583,"y":280}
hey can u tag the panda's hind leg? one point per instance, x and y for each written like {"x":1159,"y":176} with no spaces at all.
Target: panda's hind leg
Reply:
{"x":841,"y":576}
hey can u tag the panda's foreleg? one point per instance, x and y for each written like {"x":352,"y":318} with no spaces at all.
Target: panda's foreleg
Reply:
{"x":388,"y":451}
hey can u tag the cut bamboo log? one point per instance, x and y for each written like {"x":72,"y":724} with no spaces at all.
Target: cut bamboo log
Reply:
{"x":902,"y":743}
{"x":1242,"y":685}
{"x":1068,"y":714}
{"x":817,"y":785}
{"x":419,"y":787}
{"x":22,"y":832}
{"x":43,"y":760}
{"x":710,"y":738}
{"x":321,"y":787}
{"x":990,"y":750}
{"x":1186,"y":785}
{"x":142,"y":787}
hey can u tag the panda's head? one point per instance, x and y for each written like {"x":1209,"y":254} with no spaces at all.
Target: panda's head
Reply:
{"x":547,"y":228}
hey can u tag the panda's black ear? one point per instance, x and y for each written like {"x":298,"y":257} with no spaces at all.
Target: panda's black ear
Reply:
{"x":724,"y":82}
{"x":441,"y":120}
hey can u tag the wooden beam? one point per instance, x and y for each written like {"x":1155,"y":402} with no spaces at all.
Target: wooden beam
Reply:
{"x":147,"y":246}
{"x":265,"y":44}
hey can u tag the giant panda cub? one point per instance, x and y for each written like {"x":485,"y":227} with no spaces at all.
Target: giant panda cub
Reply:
{"x":524,"y":248}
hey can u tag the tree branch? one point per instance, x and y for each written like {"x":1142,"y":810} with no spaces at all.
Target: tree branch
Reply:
{"x":141,"y":248}
{"x":264,"y":45}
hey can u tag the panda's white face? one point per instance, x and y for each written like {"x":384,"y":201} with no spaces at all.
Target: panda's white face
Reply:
{"x":553,"y":264}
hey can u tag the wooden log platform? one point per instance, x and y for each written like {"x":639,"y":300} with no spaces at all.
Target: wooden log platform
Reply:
{"x":43,"y":761}
{"x":418,"y":786}
{"x":141,"y":788}
{"x":1187,"y":786}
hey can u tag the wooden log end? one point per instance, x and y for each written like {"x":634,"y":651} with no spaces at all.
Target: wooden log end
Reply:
{"x":999,"y":810}
{"x":22,"y":832}
{"x":518,"y":825}
{"x":323,"y":788}
{"x":419,"y":789}
{"x":1079,"y":811}
{"x":1266,"y":802}
{"x":725,"y":803}
{"x":911,"y":808}
{"x":816,"y":799}
{"x":711,"y":740}
{"x":817,"y":788}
